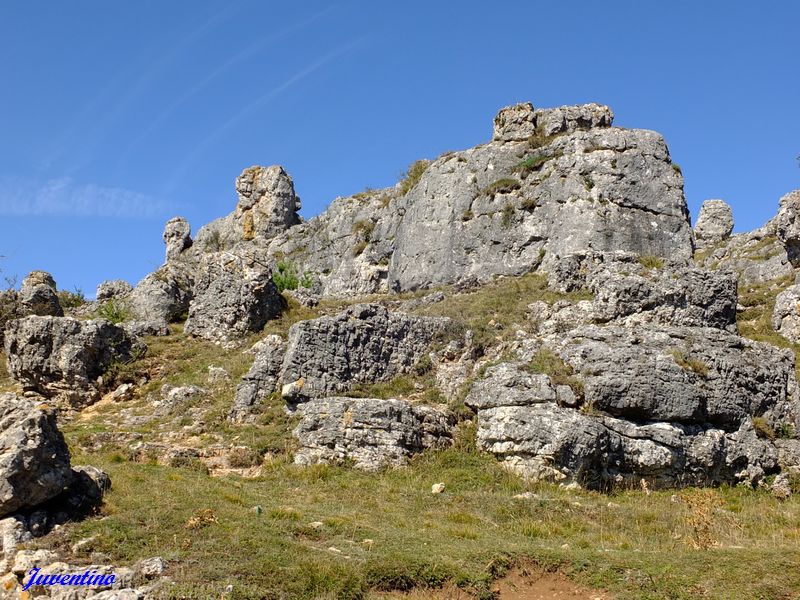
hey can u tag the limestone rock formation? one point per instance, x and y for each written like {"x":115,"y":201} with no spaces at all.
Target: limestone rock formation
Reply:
{"x":787,"y":225}
{"x":714,"y":224}
{"x":177,"y":237}
{"x":162,"y":296}
{"x":34,"y":459}
{"x":116,"y":288}
{"x":364,"y":344}
{"x":267,"y":207}
{"x":64,"y":358}
{"x":786,"y":314}
{"x":371,"y":432}
{"x":519,"y":122}
{"x":262,"y":378}
{"x":37,"y":295}
{"x":233,"y":295}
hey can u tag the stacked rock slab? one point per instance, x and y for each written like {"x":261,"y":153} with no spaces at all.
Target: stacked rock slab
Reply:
{"x":37,"y":295}
{"x":714,"y":224}
{"x":64,"y":358}
{"x":371,"y":432}
{"x":662,"y":389}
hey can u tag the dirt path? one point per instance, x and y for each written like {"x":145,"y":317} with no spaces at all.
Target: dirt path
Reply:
{"x":521,"y":583}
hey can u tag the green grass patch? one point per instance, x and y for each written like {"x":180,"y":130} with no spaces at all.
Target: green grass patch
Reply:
{"x":547,"y":362}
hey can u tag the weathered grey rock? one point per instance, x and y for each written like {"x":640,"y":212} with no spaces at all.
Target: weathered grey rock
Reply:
{"x":261,"y":380}
{"x":177,"y":237}
{"x":364,"y":344}
{"x":34,"y":459}
{"x":756,"y":257}
{"x":371,"y":432}
{"x":143,"y":328}
{"x":84,"y":495}
{"x":64,"y":358}
{"x":680,"y":375}
{"x":37,"y":295}
{"x":175,"y":398}
{"x":786,"y":314}
{"x":482,"y":212}
{"x":162,"y":296}
{"x":234,"y":295}
{"x":787,"y":225}
{"x":519,"y":122}
{"x":714,"y":224}
{"x":521,"y":421}
{"x":267,"y":207}
{"x":600,"y":190}
{"x":674,"y":295}
{"x":116,"y":288}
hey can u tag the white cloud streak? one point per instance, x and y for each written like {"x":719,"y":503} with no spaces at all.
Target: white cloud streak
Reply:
{"x":65,"y":197}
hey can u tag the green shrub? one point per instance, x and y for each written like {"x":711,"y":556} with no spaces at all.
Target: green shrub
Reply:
{"x":534,"y":162}
{"x":287,"y":277}
{"x":113,"y":310}
{"x":411,"y":177}
{"x":71,"y":299}
{"x":763,"y":428}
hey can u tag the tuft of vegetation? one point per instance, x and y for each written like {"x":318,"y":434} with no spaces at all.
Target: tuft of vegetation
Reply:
{"x":689,"y":363}
{"x":364,"y":229}
{"x":763,"y":428}
{"x":72,"y":299}
{"x":539,"y":139}
{"x":502,"y":186}
{"x":534,"y":163}
{"x":648,"y":261}
{"x":545,"y":361}
{"x":495,"y":310}
{"x":114,"y":310}
{"x":287,"y":276}
{"x":677,"y":168}
{"x":411,"y":177}
{"x":467,"y":215}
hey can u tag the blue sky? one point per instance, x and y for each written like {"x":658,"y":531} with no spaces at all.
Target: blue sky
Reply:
{"x":116,"y":116}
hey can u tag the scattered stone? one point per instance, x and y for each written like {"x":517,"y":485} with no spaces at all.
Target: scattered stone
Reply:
{"x":781,"y":488}
{"x":150,"y":568}
{"x":437,"y":488}
{"x":217,"y":375}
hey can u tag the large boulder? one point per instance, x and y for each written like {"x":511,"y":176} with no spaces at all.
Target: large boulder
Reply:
{"x":162,"y":296}
{"x":364,"y":344}
{"x":115,"y":288}
{"x":372,"y":433}
{"x":234,"y":295}
{"x":519,"y":122}
{"x":37,"y":295}
{"x":714,"y":224}
{"x":34,"y":459}
{"x":64,"y":358}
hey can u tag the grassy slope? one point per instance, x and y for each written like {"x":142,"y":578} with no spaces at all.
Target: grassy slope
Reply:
{"x":389,"y":530}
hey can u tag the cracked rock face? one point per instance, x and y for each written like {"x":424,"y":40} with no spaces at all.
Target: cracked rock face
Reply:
{"x":786,"y":314}
{"x":37,"y":295}
{"x":714,"y":224}
{"x":261,"y":380}
{"x":364,"y":344}
{"x":371,"y":432}
{"x":523,"y":422}
{"x":64,"y":358}
{"x":177,"y":237}
{"x":232,"y":296}
{"x":787,"y":225}
{"x":34,"y":459}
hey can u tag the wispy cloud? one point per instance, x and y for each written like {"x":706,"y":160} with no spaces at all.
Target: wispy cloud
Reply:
{"x":250,"y":108}
{"x":65,"y":197}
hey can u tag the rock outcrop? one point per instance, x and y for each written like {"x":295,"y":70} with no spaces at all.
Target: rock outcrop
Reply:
{"x":262,"y":378}
{"x":364,"y":344}
{"x":233,"y":295}
{"x":34,"y":459}
{"x":64,"y":358}
{"x":714,"y":224}
{"x":371,"y":432}
{"x":115,"y":288}
{"x":37,"y":295}
{"x":787,"y":225}
{"x":786,"y":314}
{"x":177,"y":237}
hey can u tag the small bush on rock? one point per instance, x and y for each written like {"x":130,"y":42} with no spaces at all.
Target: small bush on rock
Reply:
{"x":410,"y":178}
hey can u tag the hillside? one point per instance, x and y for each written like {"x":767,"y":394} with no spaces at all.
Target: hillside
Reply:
{"x":520,"y":367}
